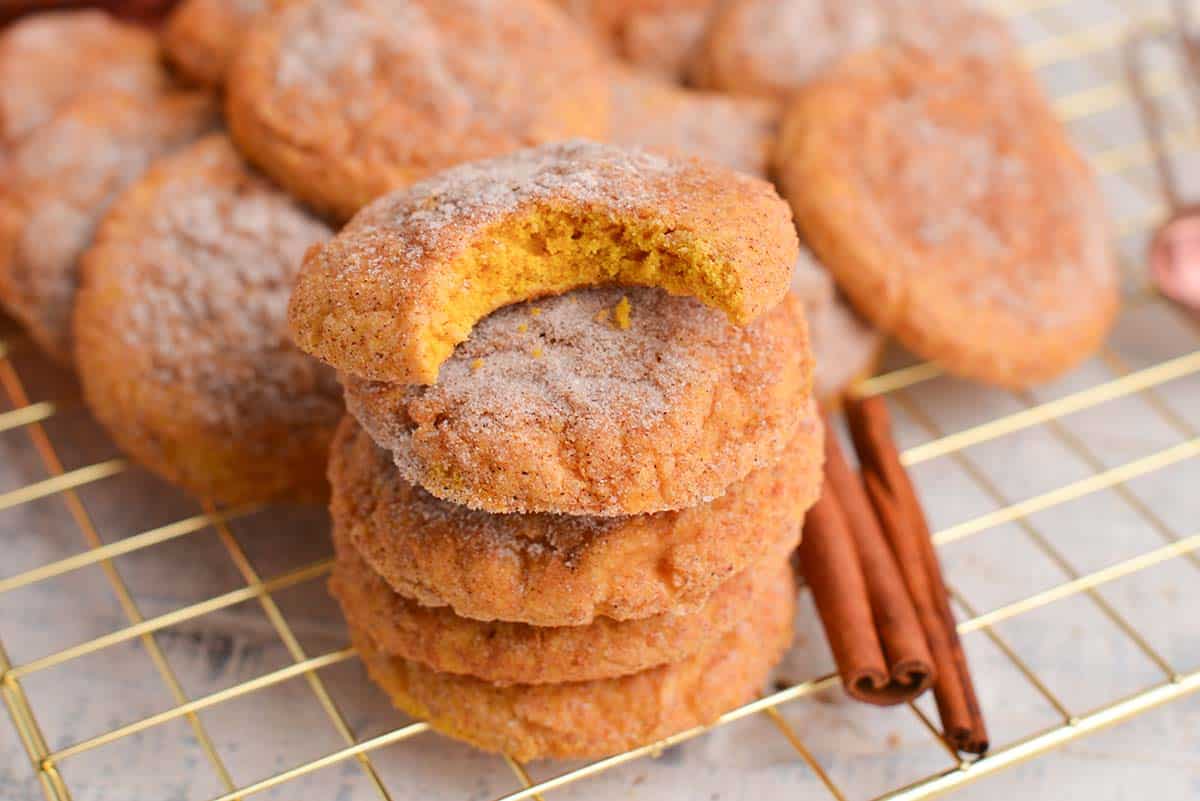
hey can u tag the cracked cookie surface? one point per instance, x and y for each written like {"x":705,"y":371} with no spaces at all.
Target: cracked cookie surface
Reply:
{"x":557,"y":406}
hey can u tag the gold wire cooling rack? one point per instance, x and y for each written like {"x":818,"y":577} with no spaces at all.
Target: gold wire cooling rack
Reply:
{"x":1079,"y":45}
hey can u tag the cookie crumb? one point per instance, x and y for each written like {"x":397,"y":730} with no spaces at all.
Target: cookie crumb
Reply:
{"x":622,"y":313}
{"x":522,"y":328}
{"x":602,"y":316}
{"x":536,"y":311}
{"x":476,"y":364}
{"x":537,"y":353}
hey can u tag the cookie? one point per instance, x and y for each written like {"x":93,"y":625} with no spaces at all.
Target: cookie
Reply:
{"x":344,"y":100}
{"x":392,"y":295}
{"x":507,"y":653}
{"x":771,"y":48}
{"x":950,"y":206}
{"x":558,"y":570}
{"x":656,"y":36}
{"x":57,"y":185}
{"x":47,"y":60}
{"x":603,"y":401}
{"x":845,"y":348}
{"x":736,"y":132}
{"x":662,"y":43}
{"x":181,"y":330}
{"x":594,"y":718}
{"x":200,"y":37}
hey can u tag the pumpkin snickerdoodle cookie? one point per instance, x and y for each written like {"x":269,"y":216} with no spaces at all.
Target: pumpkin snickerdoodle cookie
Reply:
{"x":341,"y":101}
{"x":558,"y":570}
{"x":200,"y":37}
{"x":180,"y":324}
{"x":951,"y":207}
{"x":392,"y":295}
{"x":507,"y":653}
{"x":57,"y":186}
{"x":655,"y":36}
{"x":46,"y":60}
{"x":603,"y":401}
{"x":771,"y":48}
{"x":736,"y":132}
{"x":600,"y":717}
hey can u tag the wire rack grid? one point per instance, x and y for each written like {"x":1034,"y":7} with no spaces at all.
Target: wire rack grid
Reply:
{"x":1060,"y":45}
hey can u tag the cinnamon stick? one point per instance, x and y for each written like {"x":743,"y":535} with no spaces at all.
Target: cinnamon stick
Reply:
{"x":899,"y":510}
{"x":831,"y":568}
{"x":910,"y":665}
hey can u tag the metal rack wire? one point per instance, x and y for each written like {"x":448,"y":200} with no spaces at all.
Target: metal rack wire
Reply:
{"x":1069,"y":43}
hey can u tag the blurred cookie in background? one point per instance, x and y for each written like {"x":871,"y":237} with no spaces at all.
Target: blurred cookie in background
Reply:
{"x":771,"y":48}
{"x":49,"y":59}
{"x":58,"y":183}
{"x":341,"y":101}
{"x":650,"y":113}
{"x":655,"y":36}
{"x":950,"y":206}
{"x":200,"y":37}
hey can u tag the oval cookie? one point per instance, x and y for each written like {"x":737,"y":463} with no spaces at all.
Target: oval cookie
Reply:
{"x":952,"y":209}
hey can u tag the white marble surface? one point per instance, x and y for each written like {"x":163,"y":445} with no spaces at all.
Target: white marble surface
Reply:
{"x":1082,"y":657}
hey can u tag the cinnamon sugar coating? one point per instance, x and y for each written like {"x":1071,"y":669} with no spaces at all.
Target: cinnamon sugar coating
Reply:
{"x":594,"y":718}
{"x":566,"y":411}
{"x":404,"y":283}
{"x":57,"y":184}
{"x":771,"y":48}
{"x":507,"y":653}
{"x":951,"y":207}
{"x":559,"y":570}
{"x":180,"y":324}
{"x":47,"y":60}
{"x":341,"y":101}
{"x":736,"y":132}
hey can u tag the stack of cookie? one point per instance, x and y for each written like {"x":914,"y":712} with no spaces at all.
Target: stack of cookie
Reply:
{"x":581,"y":444}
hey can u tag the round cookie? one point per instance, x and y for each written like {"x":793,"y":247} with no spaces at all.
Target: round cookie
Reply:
{"x":557,"y":570}
{"x":602,"y":401}
{"x":406,"y":281}
{"x":47,"y":60}
{"x":57,"y":185}
{"x":844,"y":347}
{"x":507,"y":653}
{"x":771,"y":48}
{"x":594,"y":718}
{"x":200,"y":37}
{"x":181,"y":330}
{"x":953,"y":211}
{"x":736,"y":132}
{"x":343,"y":100}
